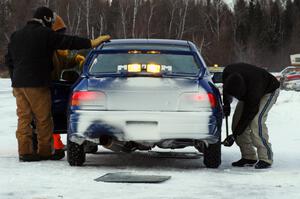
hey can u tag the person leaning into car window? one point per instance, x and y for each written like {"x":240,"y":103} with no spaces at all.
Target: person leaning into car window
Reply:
{"x":29,"y":59}
{"x":257,"y":91}
{"x":64,"y":59}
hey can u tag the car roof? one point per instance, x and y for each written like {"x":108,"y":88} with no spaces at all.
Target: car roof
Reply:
{"x":158,"y":44}
{"x":152,"y":41}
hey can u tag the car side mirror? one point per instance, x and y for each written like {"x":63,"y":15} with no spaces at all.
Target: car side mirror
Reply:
{"x":69,"y":76}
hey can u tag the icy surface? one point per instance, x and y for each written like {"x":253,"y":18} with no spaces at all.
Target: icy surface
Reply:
{"x":190,"y":179}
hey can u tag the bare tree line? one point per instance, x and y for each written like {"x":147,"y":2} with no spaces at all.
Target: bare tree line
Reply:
{"x":262,"y":32}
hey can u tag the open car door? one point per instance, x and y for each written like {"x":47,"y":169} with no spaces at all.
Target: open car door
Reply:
{"x":60,"y":92}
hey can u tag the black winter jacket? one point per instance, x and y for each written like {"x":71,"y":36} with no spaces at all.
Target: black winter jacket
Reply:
{"x":30,"y":53}
{"x":258,"y":82}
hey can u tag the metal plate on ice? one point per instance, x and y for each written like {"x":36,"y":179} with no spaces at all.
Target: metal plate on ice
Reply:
{"x":125,"y":177}
{"x":179,"y":155}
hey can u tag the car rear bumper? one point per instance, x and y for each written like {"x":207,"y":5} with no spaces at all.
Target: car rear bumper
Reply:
{"x":142,"y":126}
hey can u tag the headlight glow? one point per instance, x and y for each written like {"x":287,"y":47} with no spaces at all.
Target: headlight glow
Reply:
{"x":153,"y":68}
{"x":153,"y":52}
{"x":134,"y":52}
{"x":134,"y":68}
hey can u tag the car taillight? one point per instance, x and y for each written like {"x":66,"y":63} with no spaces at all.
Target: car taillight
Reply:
{"x":80,"y":98}
{"x":196,"y":101}
{"x":206,"y":97}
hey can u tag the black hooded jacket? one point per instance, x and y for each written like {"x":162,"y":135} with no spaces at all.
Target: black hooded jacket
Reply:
{"x":30,"y":53}
{"x":258,"y":82}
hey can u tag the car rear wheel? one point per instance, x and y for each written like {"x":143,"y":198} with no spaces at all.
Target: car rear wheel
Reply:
{"x":76,"y":154}
{"x":212,"y":155}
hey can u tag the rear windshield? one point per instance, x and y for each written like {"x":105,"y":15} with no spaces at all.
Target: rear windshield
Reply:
{"x":175,"y":63}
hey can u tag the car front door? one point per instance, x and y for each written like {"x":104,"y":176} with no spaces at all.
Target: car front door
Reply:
{"x":60,"y":92}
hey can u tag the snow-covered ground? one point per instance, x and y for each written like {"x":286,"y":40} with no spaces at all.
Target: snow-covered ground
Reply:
{"x":189,"y":178}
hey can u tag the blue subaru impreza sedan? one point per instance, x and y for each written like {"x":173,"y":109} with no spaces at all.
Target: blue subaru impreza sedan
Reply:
{"x":137,"y":94}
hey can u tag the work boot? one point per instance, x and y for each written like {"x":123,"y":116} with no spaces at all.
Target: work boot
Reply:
{"x":57,"y":155}
{"x":244,"y":162}
{"x":29,"y":158}
{"x":262,"y":165}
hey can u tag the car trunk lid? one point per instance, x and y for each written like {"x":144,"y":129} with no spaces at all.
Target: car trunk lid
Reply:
{"x":144,"y":93}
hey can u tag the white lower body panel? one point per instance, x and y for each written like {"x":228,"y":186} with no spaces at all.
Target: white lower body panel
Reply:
{"x":143,"y":126}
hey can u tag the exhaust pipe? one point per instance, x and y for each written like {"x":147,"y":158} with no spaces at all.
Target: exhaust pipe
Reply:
{"x":105,"y":140}
{"x":115,"y":145}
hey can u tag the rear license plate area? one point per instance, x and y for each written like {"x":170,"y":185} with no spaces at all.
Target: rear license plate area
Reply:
{"x":142,"y":130}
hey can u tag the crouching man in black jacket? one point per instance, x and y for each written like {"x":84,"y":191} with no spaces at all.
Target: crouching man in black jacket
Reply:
{"x":257,"y":91}
{"x":29,"y":60}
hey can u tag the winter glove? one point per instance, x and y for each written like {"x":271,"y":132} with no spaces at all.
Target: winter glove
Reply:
{"x":229,"y":140}
{"x":226,"y":110}
{"x":96,"y":42}
{"x":79,"y":59}
{"x":63,"y":53}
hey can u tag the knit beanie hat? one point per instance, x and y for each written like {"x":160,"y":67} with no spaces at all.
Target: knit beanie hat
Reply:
{"x":45,"y":14}
{"x":235,"y":85}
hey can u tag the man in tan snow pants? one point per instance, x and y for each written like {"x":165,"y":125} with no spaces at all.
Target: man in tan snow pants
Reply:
{"x":257,"y":91}
{"x":29,"y":60}
{"x":37,"y":100}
